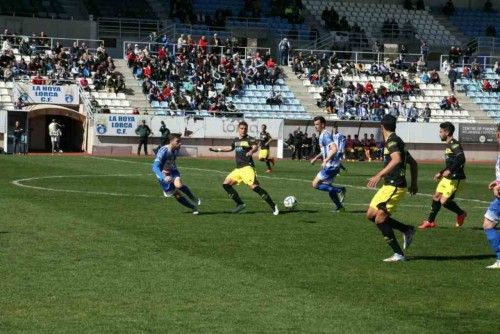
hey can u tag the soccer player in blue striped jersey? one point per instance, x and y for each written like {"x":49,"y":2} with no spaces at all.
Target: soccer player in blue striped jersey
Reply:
{"x":169,"y":177}
{"x":492,"y":215}
{"x":329,"y":151}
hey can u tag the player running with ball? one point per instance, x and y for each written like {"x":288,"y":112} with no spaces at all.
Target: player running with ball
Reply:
{"x":244,"y":147}
{"x":169,"y":177}
{"x":383,"y":204}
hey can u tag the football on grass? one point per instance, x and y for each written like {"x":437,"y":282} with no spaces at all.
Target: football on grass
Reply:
{"x":290,"y":202}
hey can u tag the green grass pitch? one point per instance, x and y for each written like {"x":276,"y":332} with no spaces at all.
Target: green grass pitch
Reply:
{"x":90,"y":245}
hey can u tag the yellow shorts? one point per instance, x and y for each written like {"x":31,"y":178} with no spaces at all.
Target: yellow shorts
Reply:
{"x":263,"y":153}
{"x":449,"y":187}
{"x":387,"y":198}
{"x":244,"y":175}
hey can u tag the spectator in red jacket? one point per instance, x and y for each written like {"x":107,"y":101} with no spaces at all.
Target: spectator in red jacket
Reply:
{"x":162,"y":54}
{"x":486,"y":85}
{"x":147,"y":71}
{"x":453,"y":102}
{"x":84,"y":84}
{"x":202,"y":44}
{"x":38,"y":79}
{"x":270,"y":64}
{"x":369,"y":88}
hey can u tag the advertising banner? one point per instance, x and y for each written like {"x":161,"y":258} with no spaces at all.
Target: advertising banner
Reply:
{"x":190,"y":127}
{"x":477,"y":133}
{"x":117,"y":125}
{"x":66,"y":94}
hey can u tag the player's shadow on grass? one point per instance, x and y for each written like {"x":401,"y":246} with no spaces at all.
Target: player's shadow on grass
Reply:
{"x":286,"y":212}
{"x":355,"y":211}
{"x":451,"y":258}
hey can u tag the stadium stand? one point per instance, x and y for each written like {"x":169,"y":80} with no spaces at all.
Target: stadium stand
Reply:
{"x":42,"y":59}
{"x":36,"y":8}
{"x":196,"y":80}
{"x":371,"y":16}
{"x":483,"y":88}
{"x":368,"y":91}
{"x":120,"y":8}
{"x":474,"y":22}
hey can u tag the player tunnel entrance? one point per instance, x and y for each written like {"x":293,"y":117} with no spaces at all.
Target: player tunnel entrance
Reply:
{"x":72,"y":125}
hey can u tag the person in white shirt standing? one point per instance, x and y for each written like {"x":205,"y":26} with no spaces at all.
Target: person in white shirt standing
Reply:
{"x":55,"y":134}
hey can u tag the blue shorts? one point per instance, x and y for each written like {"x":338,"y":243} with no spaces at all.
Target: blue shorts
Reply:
{"x":328,"y":174}
{"x":493,"y":212}
{"x":168,"y":187}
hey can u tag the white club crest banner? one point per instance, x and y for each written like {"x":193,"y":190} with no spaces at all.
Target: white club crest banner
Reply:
{"x":29,"y":93}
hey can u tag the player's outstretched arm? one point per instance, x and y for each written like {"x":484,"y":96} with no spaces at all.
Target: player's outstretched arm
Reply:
{"x":221,"y":149}
{"x":413,"y":189}
{"x":313,"y":160}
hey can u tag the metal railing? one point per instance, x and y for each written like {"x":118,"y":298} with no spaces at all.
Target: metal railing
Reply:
{"x":50,"y":42}
{"x":173,"y":48}
{"x":119,"y":27}
{"x":363,"y":57}
{"x":84,"y":99}
{"x":484,"y":61}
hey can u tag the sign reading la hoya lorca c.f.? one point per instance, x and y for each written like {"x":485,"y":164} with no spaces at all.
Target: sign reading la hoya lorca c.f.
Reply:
{"x":66,"y":94}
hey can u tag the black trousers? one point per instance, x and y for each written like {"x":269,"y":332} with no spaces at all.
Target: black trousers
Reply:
{"x":143,"y":141}
{"x":298,"y":152}
{"x":18,"y":146}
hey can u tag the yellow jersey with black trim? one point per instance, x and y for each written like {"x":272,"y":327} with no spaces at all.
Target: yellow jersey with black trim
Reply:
{"x":397,"y":176}
{"x":455,"y":160}
{"x":264,"y":137}
{"x":242,"y":146}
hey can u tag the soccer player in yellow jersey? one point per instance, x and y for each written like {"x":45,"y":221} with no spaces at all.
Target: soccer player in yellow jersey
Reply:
{"x":387,"y":198}
{"x":244,"y":147}
{"x":264,"y":141}
{"x":451,"y":178}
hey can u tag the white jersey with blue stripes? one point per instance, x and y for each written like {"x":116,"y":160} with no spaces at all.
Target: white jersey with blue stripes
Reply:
{"x":340,"y":140}
{"x":165,"y":160}
{"x":325,"y":140}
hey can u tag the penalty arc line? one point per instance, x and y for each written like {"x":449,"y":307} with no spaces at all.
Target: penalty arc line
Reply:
{"x":288,"y":179}
{"x":20,"y":183}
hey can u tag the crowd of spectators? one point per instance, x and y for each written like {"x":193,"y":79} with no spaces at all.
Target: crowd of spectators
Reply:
{"x":366,"y":100}
{"x":472,"y":71}
{"x":57,"y":64}
{"x":189,"y":79}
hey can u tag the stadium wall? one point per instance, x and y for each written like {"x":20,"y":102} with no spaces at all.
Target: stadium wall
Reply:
{"x":200,"y":134}
{"x":74,"y":29}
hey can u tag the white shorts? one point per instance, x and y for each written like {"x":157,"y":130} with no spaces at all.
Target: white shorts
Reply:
{"x":54,"y":139}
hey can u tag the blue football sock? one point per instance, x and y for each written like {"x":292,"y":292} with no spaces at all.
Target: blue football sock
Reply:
{"x":185,"y":202}
{"x":188,"y":192}
{"x":332,"y":192}
{"x":494,"y":239}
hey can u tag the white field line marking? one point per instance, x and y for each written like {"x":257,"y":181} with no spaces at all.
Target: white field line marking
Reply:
{"x":20,"y":183}
{"x":287,"y":179}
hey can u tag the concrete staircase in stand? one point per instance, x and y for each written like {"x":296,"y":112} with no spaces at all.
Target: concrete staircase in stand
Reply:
{"x":301,"y":93}
{"x":466,"y":103}
{"x":134,"y":90}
